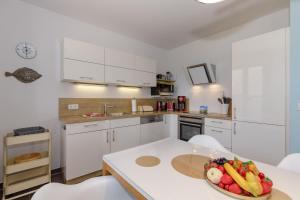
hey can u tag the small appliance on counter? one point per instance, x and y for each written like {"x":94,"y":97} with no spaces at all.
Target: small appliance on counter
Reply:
{"x":165,"y":85}
{"x":182,"y":103}
{"x":166,"y":105}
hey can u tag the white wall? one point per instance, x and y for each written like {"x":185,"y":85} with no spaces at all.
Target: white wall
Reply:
{"x":23,"y":105}
{"x":217,"y":50}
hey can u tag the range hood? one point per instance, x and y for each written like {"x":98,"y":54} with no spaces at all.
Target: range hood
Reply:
{"x":202,"y":74}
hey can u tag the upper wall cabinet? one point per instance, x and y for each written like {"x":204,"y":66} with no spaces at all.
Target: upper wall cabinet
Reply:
{"x":119,"y":58}
{"x":84,"y":72}
{"x":83,"y":51}
{"x":83,"y":62}
{"x":88,"y":63}
{"x":145,"y":64}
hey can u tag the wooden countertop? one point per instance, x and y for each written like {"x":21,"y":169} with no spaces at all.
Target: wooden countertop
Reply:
{"x":81,"y":119}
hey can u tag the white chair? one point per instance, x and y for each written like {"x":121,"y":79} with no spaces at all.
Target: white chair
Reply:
{"x":208,"y":141}
{"x":291,"y":163}
{"x":99,"y":188}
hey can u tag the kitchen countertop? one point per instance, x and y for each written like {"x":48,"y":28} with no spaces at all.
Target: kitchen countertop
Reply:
{"x":81,"y":119}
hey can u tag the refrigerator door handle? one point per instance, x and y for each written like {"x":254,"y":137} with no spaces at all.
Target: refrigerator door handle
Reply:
{"x":234,"y":128}
{"x":234,"y":112}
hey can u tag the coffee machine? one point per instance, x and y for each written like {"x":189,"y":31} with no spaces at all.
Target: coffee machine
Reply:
{"x":182,"y":103}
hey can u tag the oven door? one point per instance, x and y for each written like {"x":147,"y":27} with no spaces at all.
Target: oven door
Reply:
{"x":188,"y":130}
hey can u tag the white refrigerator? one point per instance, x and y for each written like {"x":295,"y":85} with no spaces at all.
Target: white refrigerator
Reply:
{"x":259,"y":68}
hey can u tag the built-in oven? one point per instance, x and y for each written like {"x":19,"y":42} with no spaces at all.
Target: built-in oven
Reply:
{"x":189,"y":127}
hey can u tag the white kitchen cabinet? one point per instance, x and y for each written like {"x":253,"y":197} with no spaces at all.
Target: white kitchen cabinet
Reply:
{"x":220,"y":130}
{"x":124,"y":138}
{"x":144,"y":79}
{"x":222,"y":135}
{"x":84,"y":152}
{"x":261,"y":142}
{"x":78,"y":71}
{"x":129,"y":77}
{"x":117,"y":58}
{"x":152,"y":132}
{"x":145,"y":64}
{"x":171,"y":125}
{"x":83,"y":51}
{"x":119,"y":76}
{"x":259,"y":78}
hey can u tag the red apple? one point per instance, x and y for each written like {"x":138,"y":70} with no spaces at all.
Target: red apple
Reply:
{"x":226,"y":179}
{"x":235,"y":188}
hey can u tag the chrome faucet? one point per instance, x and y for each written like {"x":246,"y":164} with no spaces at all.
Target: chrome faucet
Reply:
{"x":106,"y":107}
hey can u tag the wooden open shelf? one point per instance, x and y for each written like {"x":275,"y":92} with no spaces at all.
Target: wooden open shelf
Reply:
{"x":20,"y":186}
{"x":14,"y":168}
{"x":18,"y":178}
{"x":15,"y":140}
{"x":166,"y":82}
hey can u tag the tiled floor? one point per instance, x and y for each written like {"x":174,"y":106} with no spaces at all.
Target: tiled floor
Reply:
{"x":55,"y":178}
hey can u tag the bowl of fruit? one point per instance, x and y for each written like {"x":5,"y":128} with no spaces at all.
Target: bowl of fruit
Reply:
{"x":241,"y":180}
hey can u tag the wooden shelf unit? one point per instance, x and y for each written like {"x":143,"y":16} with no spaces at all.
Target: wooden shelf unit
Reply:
{"x":26,"y":175}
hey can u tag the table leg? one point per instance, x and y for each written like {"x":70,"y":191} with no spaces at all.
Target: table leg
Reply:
{"x":105,"y":170}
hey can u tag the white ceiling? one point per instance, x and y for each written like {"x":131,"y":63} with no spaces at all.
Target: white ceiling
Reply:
{"x":163,"y":23}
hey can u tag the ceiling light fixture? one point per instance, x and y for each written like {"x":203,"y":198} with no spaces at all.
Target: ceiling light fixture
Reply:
{"x":209,"y":1}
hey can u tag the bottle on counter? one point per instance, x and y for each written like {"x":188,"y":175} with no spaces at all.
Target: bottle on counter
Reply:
{"x":133,"y":105}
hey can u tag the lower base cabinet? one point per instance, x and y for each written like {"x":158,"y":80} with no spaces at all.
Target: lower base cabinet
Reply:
{"x":84,"y":152}
{"x":261,"y":142}
{"x":152,"y":132}
{"x":124,"y":138}
{"x":171,"y":125}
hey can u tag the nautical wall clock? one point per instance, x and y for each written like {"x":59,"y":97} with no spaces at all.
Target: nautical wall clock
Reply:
{"x":26,"y":50}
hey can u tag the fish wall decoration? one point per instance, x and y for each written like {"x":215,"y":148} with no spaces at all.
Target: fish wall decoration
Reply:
{"x":25,"y":75}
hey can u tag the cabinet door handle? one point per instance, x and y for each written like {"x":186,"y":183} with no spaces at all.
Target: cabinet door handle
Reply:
{"x":107,"y":141}
{"x":217,"y":122}
{"x":113,"y":135}
{"x":89,"y":78}
{"x":121,"y":81}
{"x":146,"y":83}
{"x":216,"y":131}
{"x":90,"y":125}
{"x":234,"y":128}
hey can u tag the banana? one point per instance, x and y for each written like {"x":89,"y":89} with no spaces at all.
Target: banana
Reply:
{"x":237,"y":177}
{"x":253,"y":168}
{"x":255,"y":185}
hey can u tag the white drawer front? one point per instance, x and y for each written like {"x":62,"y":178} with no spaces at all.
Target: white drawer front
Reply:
{"x":222,"y":135}
{"x":124,"y":122}
{"x":225,"y":124}
{"x":86,"y":127}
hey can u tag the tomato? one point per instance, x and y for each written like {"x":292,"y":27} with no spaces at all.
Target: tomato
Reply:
{"x":221,"y":168}
{"x":261,"y":175}
{"x":221,"y":185}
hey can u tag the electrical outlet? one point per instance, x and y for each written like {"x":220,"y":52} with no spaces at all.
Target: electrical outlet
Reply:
{"x":298,"y":107}
{"x":73,"y":106}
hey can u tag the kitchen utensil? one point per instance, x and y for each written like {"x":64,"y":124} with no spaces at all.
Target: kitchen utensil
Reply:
{"x":220,"y":100}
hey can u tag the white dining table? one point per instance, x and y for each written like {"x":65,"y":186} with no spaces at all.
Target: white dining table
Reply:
{"x":163,"y":182}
